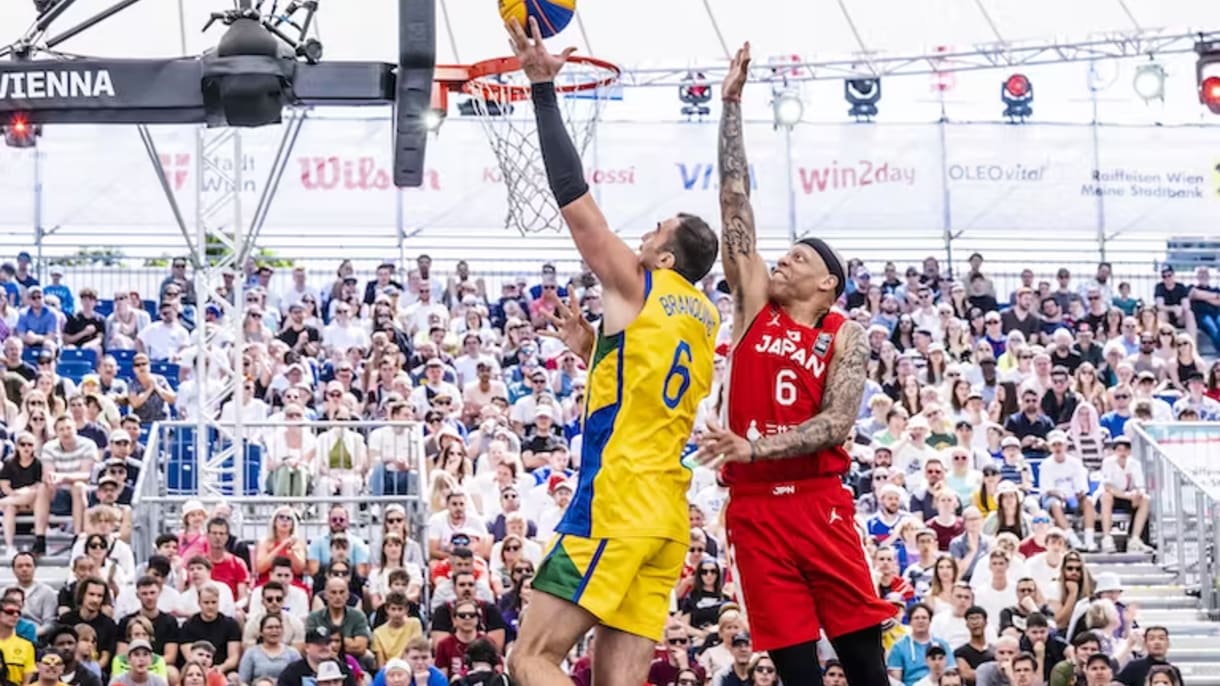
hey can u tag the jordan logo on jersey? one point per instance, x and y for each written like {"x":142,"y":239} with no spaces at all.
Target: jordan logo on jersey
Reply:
{"x":774,"y":321}
{"x":784,"y":347}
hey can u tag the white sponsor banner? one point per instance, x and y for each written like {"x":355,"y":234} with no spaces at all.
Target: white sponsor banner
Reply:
{"x":994,"y":178}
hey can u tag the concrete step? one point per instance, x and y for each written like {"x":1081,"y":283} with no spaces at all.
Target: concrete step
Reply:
{"x":1145,"y":579}
{"x":1162,"y":602}
{"x":1189,"y":628}
{"x":1117,"y":558}
{"x":1148,"y":616}
{"x":1198,"y":673}
{"x":1126,"y":568}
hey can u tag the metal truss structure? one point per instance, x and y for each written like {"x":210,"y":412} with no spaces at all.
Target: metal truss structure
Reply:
{"x":998,"y":55}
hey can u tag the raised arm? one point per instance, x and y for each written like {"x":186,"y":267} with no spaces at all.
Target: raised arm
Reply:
{"x":608,"y":256}
{"x":744,"y":269}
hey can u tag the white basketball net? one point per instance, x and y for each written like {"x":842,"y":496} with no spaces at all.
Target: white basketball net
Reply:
{"x":514,"y":140}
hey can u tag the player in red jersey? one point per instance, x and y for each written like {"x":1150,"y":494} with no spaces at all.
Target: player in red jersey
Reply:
{"x":796,"y":378}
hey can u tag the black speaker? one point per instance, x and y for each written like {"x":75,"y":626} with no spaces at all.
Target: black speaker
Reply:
{"x":413,"y":89}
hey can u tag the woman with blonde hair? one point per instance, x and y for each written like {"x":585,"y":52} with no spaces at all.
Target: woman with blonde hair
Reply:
{"x":291,"y":452}
{"x":281,"y":541}
{"x":1184,"y":364}
{"x":1088,"y":384}
{"x":441,"y":484}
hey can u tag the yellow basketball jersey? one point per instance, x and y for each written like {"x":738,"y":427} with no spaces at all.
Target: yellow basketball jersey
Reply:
{"x":643,"y":389}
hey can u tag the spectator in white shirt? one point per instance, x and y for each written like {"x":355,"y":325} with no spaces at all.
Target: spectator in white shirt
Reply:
{"x":999,"y":592}
{"x":1064,"y":484}
{"x":298,"y":290}
{"x":344,"y":333}
{"x":1123,"y":489}
{"x":165,"y":339}
{"x":198,"y":575}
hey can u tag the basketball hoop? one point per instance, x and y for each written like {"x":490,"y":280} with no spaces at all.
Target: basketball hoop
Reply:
{"x":499,"y":95}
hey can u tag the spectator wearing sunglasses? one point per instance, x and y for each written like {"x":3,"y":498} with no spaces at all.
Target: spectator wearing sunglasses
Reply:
{"x":665,"y":670}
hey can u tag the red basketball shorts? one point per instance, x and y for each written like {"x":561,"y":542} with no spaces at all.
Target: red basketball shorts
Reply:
{"x":800,"y":564}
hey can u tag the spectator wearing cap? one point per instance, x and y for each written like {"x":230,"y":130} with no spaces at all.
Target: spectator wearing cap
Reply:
{"x":37,"y":324}
{"x":561,"y":495}
{"x":920,"y":570}
{"x":889,"y":513}
{"x":434,"y":388}
{"x":85,"y":329}
{"x":119,"y":455}
{"x":738,"y":672}
{"x":908,"y":658}
{"x":544,"y":440}
{"x":139,"y":665}
{"x":1064,"y":485}
{"x":1195,"y":399}
{"x":1123,"y":490}
{"x":319,"y":663}
{"x":24,"y":275}
{"x":1145,"y":393}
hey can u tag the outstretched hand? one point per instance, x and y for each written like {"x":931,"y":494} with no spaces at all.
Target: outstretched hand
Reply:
{"x":739,"y":71}
{"x":570,"y":326}
{"x":719,"y":446}
{"x":539,"y":65}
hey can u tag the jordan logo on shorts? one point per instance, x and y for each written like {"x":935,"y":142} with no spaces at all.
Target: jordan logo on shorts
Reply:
{"x":834,"y":515}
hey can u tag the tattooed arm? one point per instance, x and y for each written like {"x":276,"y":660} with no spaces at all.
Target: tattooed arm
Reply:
{"x":744,"y":269}
{"x":840,"y":405}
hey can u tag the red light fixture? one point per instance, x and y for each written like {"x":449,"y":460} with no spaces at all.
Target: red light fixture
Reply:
{"x":1017,"y":86}
{"x":1209,"y":93}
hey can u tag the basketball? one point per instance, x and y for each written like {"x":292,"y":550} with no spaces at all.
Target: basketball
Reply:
{"x":552,"y":15}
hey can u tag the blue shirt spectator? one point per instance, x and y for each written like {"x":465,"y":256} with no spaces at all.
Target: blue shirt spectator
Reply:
{"x":67,"y":303}
{"x":909,"y":656}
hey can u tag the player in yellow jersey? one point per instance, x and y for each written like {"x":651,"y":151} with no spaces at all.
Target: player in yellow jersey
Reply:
{"x":620,"y":547}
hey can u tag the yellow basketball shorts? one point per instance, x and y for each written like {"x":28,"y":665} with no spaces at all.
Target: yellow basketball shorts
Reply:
{"x":624,"y":582}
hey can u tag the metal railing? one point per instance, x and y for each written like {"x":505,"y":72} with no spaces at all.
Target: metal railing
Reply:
{"x":1184,"y":483}
{"x":207,"y":462}
{"x":109,"y":280}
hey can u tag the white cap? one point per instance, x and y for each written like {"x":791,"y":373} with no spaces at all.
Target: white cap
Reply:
{"x":329,"y":671}
{"x":397,"y":664}
{"x":1108,"y":581}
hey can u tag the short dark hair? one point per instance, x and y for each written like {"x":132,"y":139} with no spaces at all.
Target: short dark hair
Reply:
{"x":1156,"y":627}
{"x":1037,"y":620}
{"x":162,"y":539}
{"x":1026,"y":657}
{"x":398,"y":575}
{"x":919,"y":606}
{"x":977,"y":610}
{"x":146,"y":581}
{"x":218,"y":521}
{"x":273,"y":586}
{"x":694,"y":246}
{"x":281,"y":561}
{"x":481,"y":650}
{"x":396,"y":598}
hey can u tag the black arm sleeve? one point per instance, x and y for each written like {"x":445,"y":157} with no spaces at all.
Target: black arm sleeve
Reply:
{"x":563,"y":167}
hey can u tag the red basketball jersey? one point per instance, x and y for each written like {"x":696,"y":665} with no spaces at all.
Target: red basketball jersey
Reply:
{"x":777,"y":375}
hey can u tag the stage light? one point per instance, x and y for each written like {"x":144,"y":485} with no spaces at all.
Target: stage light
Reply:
{"x":1149,"y":82}
{"x":787,"y":108}
{"x":1017,"y":93}
{"x":695,"y":93}
{"x":1207,"y":74}
{"x":433,"y":120}
{"x":20,"y":133}
{"x":863,"y":96}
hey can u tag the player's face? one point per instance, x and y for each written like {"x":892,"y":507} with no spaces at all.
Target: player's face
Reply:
{"x":652,"y":252}
{"x":798,"y":275}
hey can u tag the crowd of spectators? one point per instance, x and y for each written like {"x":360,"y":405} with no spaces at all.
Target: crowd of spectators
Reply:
{"x":992,"y":449}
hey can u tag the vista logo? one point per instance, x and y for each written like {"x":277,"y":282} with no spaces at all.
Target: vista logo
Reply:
{"x":704,"y":177}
